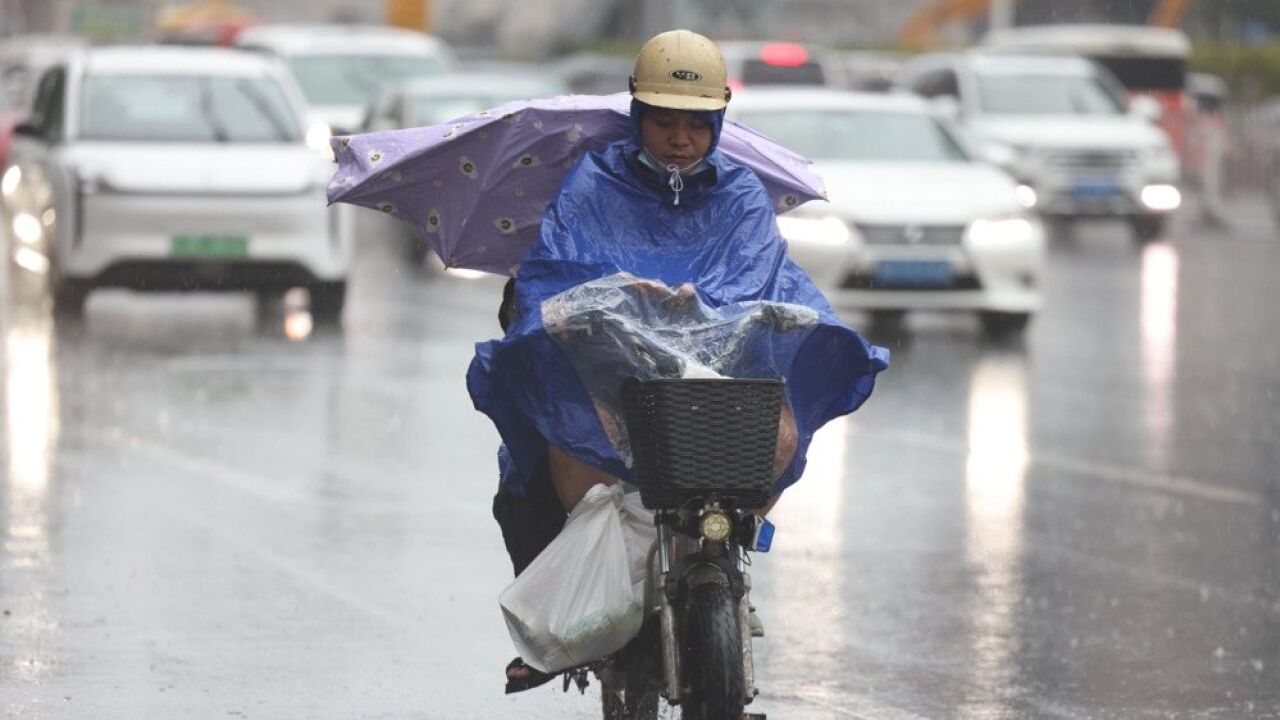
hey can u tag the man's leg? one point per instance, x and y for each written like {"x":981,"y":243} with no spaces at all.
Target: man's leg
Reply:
{"x":531,"y":521}
{"x":572,"y":478}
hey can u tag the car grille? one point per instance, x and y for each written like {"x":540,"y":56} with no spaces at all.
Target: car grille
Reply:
{"x":912,"y":234}
{"x":863,"y":281}
{"x":1091,"y":160}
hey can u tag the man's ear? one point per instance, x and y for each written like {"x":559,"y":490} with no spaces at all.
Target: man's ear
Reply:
{"x":728,"y":93}
{"x":631,"y":84}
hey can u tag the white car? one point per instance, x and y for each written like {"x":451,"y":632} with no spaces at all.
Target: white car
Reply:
{"x":1059,"y":125}
{"x":341,"y":68}
{"x":436,"y":100}
{"x":912,"y":222}
{"x":172,"y":168}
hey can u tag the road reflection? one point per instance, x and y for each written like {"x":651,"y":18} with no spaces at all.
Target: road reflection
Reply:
{"x":1159,"y":334}
{"x":995,"y":499}
{"x":31,"y":422}
{"x":805,"y":565}
{"x":30,"y":437}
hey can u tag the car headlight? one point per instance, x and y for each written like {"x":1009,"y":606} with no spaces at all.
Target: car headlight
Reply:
{"x":1000,"y":231}
{"x":27,"y":228}
{"x":1161,"y":198}
{"x":1026,"y":195}
{"x":318,"y":136}
{"x":828,"y":230}
{"x":12,"y":177}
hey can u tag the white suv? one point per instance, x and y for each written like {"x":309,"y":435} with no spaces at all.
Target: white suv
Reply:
{"x":341,"y":68}
{"x":172,"y":168}
{"x":1059,"y":125}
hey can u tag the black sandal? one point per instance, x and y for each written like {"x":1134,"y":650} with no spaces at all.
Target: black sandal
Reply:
{"x":533,"y":680}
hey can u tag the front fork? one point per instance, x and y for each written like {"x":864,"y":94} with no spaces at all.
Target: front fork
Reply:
{"x":664,"y":595}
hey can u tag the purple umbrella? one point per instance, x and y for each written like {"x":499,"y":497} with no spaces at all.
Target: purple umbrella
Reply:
{"x":475,"y":189}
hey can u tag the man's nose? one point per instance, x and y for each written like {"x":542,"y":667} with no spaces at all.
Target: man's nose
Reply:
{"x":680,"y":138}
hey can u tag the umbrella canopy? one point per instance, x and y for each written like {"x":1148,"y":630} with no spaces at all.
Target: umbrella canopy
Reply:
{"x":476,"y":188}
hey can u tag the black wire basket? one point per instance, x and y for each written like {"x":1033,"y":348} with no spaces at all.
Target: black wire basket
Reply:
{"x":697,"y":438}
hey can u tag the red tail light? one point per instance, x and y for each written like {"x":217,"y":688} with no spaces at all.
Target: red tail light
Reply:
{"x":784,"y":54}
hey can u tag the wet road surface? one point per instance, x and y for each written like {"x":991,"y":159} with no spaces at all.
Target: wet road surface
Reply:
{"x":208,"y":512}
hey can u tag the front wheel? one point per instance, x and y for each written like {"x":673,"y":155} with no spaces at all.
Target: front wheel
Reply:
{"x":639,"y":666}
{"x":327,"y":301}
{"x":1004,"y":325}
{"x":713,"y":642}
{"x":631,"y":705}
{"x":1147,"y":228}
{"x":69,"y":298}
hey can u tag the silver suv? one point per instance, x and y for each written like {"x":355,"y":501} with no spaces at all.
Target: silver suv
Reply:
{"x":1060,"y":126}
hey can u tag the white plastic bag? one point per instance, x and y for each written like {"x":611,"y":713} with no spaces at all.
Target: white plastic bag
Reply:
{"x":582,"y":598}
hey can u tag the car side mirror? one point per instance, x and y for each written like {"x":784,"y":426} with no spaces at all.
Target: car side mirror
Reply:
{"x":28,"y":130}
{"x":1145,"y":107}
{"x":946,"y":107}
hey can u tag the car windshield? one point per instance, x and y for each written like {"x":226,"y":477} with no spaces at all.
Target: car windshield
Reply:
{"x":1047,"y":95}
{"x":857,"y":135}
{"x":436,"y":109}
{"x":356,"y":79}
{"x":171,"y":108}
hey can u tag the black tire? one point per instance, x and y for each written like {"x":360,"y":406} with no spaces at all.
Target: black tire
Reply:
{"x":713,"y":648}
{"x":631,"y":705}
{"x":1147,"y":228}
{"x":69,"y":298}
{"x":327,"y":301}
{"x":1061,"y":228}
{"x":889,"y":322}
{"x":641,"y":664}
{"x":1003,"y":325}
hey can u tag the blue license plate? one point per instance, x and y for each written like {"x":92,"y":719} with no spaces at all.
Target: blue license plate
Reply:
{"x":1096,"y":189}
{"x":913,"y":273}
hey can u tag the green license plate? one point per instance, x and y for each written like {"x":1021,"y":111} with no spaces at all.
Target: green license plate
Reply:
{"x":209,"y":246}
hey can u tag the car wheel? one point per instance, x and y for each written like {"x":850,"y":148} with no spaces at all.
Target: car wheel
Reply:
{"x":888,"y":322}
{"x":1147,"y":227}
{"x":327,"y":300}
{"x":1060,"y":228}
{"x":1004,"y":325}
{"x":69,"y":298}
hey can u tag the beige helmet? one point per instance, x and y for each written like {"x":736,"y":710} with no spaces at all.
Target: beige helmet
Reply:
{"x":681,"y":70}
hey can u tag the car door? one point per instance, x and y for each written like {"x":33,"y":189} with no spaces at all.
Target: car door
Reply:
{"x":47,"y":187}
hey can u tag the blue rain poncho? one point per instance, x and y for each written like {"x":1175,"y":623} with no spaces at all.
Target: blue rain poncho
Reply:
{"x":578,"y":310}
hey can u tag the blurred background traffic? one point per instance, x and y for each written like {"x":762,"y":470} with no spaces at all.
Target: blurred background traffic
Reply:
{"x":1028,"y":117}
{"x":239,"y":461}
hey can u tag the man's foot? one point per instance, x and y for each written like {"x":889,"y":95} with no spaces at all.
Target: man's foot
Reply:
{"x":521,"y":677}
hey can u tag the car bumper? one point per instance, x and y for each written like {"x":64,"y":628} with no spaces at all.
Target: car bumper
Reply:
{"x":998,"y":277}
{"x":1100,"y":193}
{"x":145,"y":241}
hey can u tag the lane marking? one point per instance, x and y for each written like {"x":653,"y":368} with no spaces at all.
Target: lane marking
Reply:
{"x":851,"y":705}
{"x":297,"y":571}
{"x":246,"y":483}
{"x":1135,"y":477}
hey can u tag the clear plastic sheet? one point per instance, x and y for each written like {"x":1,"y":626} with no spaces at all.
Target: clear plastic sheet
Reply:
{"x":621,"y":326}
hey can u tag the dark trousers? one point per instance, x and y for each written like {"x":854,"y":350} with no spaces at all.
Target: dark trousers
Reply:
{"x":531,"y":521}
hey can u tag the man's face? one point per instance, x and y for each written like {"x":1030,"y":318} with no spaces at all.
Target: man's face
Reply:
{"x":676,"y":137}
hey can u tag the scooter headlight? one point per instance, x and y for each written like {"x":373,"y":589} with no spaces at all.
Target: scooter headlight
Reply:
{"x":715,"y":526}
